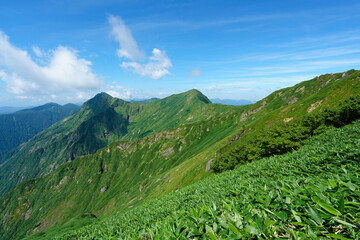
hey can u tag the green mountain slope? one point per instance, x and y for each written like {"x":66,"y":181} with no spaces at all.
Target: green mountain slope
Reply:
{"x":312,"y":193}
{"x":18,"y":127}
{"x":165,"y":145}
{"x":99,"y":122}
{"x":317,"y":103}
{"x":122,"y":174}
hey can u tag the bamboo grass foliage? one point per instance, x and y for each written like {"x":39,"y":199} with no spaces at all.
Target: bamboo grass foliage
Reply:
{"x":311,"y":193}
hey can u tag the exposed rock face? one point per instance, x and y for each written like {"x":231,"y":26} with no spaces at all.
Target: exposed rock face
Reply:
{"x":288,"y":119}
{"x":294,"y":100}
{"x":314,"y":106}
{"x":244,"y":116}
{"x":208,"y":165}
{"x":167,"y":152}
{"x":344,"y":75}
{"x":104,"y":189}
{"x":302,"y":90}
{"x":5,"y":217}
{"x":28,"y":214}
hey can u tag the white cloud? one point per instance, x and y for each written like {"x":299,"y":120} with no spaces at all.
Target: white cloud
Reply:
{"x":196,"y":72}
{"x":120,"y":95}
{"x":156,"y":66}
{"x":84,"y":96}
{"x":37,"y":51}
{"x":214,"y":88}
{"x":64,"y":71}
{"x":119,"y":91}
{"x":24,"y":97}
{"x":128,"y":46}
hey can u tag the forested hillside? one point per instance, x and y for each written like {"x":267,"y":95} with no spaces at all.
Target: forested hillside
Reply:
{"x":18,"y":127}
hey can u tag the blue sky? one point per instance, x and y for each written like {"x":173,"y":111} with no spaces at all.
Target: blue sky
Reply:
{"x":67,"y":51}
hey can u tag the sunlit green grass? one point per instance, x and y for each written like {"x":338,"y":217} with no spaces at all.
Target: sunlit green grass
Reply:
{"x":166,"y":147}
{"x":310,"y":193}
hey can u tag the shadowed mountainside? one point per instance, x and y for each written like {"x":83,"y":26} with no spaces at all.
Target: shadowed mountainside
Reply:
{"x":18,"y":127}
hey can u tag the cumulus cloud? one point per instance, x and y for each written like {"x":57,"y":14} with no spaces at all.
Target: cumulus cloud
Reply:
{"x":155,"y":67}
{"x":63,"y":70}
{"x":119,"y":91}
{"x":196,"y":72}
{"x":213,"y":88}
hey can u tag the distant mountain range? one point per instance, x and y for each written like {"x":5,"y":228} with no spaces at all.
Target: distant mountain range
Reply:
{"x":6,"y":110}
{"x":144,"y":100}
{"x":233,"y":102}
{"x":112,"y":155}
{"x":20,"y":126}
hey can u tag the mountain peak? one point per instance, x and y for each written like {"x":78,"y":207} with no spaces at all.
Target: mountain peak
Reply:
{"x":45,"y":106}
{"x":99,"y":101}
{"x":103,"y":95}
{"x":196,"y":94}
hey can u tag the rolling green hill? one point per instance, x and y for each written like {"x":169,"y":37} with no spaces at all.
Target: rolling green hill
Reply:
{"x":135,"y":152}
{"x":18,"y":127}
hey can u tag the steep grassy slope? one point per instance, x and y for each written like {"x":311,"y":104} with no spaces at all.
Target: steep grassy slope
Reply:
{"x":18,"y":127}
{"x":118,"y":176}
{"x":78,"y":134}
{"x":312,"y":193}
{"x":99,"y":122}
{"x":180,"y":134}
{"x":292,"y":105}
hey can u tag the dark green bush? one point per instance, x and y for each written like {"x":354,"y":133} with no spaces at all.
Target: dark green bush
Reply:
{"x":283,"y":137}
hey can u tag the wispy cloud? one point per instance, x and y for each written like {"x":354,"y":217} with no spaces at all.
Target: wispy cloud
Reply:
{"x":37,"y":51}
{"x":290,"y":68}
{"x":146,"y":24}
{"x":214,"y":88}
{"x":241,"y":22}
{"x":196,"y":72}
{"x":321,"y":41}
{"x":157,"y":65}
{"x":128,"y":46}
{"x":63,"y":71}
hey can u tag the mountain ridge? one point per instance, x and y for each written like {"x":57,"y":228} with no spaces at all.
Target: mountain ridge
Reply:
{"x":24,"y":124}
{"x":149,"y":162}
{"x":100,"y":121}
{"x":233,"y":102}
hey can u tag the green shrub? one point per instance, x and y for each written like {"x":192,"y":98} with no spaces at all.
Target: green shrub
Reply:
{"x":283,"y":137}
